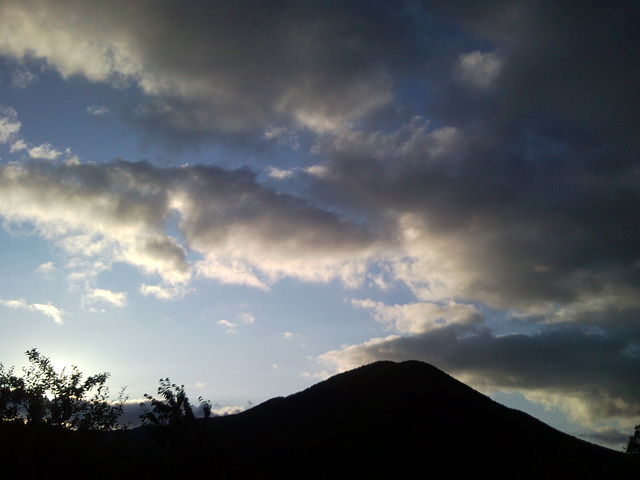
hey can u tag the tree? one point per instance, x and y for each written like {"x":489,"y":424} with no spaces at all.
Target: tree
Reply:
{"x":9,"y":386}
{"x":633,"y":447}
{"x":173,"y":409}
{"x":171,"y":421}
{"x":65,"y":400}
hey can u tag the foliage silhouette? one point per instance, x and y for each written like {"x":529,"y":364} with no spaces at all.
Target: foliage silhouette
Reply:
{"x":44,"y":397}
{"x":173,"y":409}
{"x":177,"y":433}
{"x":633,"y":447}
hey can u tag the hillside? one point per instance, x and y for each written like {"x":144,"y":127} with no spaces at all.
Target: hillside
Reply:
{"x":384,"y":420}
{"x":409,"y":419}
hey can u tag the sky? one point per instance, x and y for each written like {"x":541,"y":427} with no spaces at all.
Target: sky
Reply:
{"x":249,"y":197}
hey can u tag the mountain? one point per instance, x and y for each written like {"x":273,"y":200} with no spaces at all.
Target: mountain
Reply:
{"x":403,"y":420}
{"x":381,"y":421}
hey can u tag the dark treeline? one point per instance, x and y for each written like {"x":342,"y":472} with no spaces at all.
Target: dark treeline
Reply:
{"x":63,"y":425}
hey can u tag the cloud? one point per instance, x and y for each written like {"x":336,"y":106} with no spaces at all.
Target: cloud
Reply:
{"x":22,"y":78}
{"x":417,"y":318}
{"x":231,"y":327}
{"x":9,"y":124}
{"x":552,"y":248}
{"x":66,"y":43}
{"x":47,"y":309}
{"x":478,"y":69}
{"x":252,"y":235}
{"x":548,"y":71}
{"x":14,"y":303}
{"x":280,"y":174}
{"x":482,"y":219}
{"x":98,"y":110}
{"x":77,"y":199}
{"x":17,"y":146}
{"x":73,"y":204}
{"x":317,"y":66}
{"x":117,"y":299}
{"x":46,"y":268}
{"x":282,"y":136}
{"x":168,"y":291}
{"x":246,"y":317}
{"x":44,"y":151}
{"x":244,"y":232}
{"x":268,"y":71}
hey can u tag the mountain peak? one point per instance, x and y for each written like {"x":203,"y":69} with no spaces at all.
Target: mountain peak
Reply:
{"x":390,"y":418}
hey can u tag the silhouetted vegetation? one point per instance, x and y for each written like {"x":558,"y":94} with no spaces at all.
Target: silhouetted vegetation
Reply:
{"x":633,"y":447}
{"x":172,"y":424}
{"x":173,"y":409}
{"x":43,"y":396}
{"x":54,"y":424}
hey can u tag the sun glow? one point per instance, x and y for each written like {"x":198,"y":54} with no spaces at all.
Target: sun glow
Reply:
{"x":63,"y":365}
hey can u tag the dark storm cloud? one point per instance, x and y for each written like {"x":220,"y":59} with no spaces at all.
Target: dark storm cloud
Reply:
{"x":272,"y":61}
{"x":537,"y":189}
{"x":534,"y":230}
{"x":571,"y":62}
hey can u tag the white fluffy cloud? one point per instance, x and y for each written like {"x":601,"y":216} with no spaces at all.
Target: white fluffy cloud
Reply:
{"x":51,"y":30}
{"x":45,"y":151}
{"x":478,"y":69}
{"x":101,"y":295}
{"x":233,"y":328}
{"x":69,"y":204}
{"x":252,"y":235}
{"x":245,"y":233}
{"x":417,"y":318}
{"x":46,"y":309}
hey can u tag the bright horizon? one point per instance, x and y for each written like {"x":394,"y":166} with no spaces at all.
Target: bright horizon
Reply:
{"x":250,"y":198}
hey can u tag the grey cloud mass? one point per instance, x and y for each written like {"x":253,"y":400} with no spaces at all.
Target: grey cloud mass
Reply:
{"x":483,"y":155}
{"x":220,"y":66}
{"x":245,"y":232}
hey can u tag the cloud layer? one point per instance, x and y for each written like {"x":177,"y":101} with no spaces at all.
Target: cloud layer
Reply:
{"x":245,"y":233}
{"x":314,"y":64}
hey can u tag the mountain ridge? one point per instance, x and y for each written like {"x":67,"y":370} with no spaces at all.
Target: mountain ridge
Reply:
{"x":382,"y":420}
{"x":390,"y":418}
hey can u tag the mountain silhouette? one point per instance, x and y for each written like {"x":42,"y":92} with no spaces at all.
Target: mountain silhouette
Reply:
{"x":385,"y":420}
{"x":404,"y":420}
